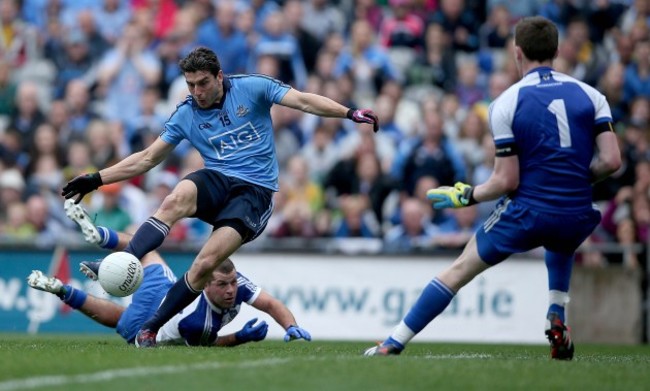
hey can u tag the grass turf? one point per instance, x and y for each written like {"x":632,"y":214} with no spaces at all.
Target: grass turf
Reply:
{"x":75,"y":362}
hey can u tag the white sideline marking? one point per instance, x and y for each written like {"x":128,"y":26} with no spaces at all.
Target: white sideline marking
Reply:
{"x":48,"y":381}
{"x":457,"y":356}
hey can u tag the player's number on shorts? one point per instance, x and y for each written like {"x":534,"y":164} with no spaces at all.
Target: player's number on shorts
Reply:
{"x":558,"y":108}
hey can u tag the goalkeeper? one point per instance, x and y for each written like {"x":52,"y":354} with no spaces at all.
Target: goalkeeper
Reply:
{"x":554,"y":139}
{"x":198,"y":324}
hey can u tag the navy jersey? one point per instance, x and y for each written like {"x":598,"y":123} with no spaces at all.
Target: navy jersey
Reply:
{"x":548,"y":119}
{"x":235,"y":137}
{"x":199,"y":323}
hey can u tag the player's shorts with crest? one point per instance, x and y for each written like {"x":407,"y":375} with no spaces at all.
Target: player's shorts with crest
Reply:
{"x":515,"y":228}
{"x":225,"y":201}
{"x":157,"y":280}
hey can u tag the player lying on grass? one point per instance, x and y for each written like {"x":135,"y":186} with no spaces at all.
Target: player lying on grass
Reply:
{"x":198,"y":324}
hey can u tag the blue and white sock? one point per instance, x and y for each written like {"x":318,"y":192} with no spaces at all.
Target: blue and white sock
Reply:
{"x":179,"y":296}
{"x":148,"y":237}
{"x":107,"y":238}
{"x":560,"y":267}
{"x":75,"y":298}
{"x":435,"y":297}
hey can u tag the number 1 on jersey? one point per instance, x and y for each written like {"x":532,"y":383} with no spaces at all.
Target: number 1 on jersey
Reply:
{"x":558,"y":108}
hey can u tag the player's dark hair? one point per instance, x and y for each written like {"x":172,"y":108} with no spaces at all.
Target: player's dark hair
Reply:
{"x":200,"y":59}
{"x":226,"y":267}
{"x":537,"y":37}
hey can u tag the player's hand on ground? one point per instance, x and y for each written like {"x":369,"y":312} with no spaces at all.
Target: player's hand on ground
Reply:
{"x":295,"y":332}
{"x":252,"y":331}
{"x":451,"y":197}
{"x":82,"y":185}
{"x":364,"y":116}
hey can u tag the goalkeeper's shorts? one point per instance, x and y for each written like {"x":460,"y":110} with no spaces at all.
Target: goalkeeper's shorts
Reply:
{"x":513,"y":228}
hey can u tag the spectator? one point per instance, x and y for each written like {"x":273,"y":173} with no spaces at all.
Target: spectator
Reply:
{"x":112,"y":17}
{"x":17,"y":227}
{"x":49,"y":232}
{"x":299,"y":187}
{"x":295,"y":221}
{"x":470,"y":141}
{"x":468,"y":88}
{"x":403,"y":28}
{"x":495,"y":32}
{"x":79,"y":110}
{"x":7,"y":90}
{"x":110,"y":214}
{"x":28,"y":115}
{"x":321,"y":18}
{"x":458,"y":229}
{"x":12,"y":186}
{"x":309,"y":45}
{"x":433,"y":155}
{"x":415,"y":232}
{"x":46,"y":143}
{"x":159,"y":13}
{"x":459,"y":23}
{"x":276,"y":41}
{"x":357,"y":219}
{"x":125,"y":71}
{"x":102,"y":150}
{"x":320,"y":153}
{"x":73,"y":61}
{"x":19,"y":41}
{"x":369,"y":11}
{"x":637,"y":74}
{"x":87,"y":24}
{"x":367,"y":62}
{"x":221,"y":34}
{"x":436,"y":66}
{"x":611,"y":85}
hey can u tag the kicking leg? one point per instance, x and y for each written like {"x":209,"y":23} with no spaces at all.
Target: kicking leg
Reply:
{"x":222,"y":243}
{"x":435,"y":297}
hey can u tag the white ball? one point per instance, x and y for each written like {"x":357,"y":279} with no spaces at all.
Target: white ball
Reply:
{"x":120,"y":274}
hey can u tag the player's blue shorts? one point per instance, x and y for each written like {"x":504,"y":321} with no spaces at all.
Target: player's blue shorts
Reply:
{"x":514,"y":228}
{"x":227,"y":201}
{"x":157,"y":280}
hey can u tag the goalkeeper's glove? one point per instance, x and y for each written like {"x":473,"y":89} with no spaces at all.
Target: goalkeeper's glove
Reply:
{"x":459,"y":196}
{"x":295,"y":332}
{"x":252,"y":332}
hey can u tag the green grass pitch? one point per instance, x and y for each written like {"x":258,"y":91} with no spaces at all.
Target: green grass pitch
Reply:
{"x":71,"y":362}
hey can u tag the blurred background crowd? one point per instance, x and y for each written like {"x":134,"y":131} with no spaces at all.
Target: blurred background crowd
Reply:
{"x":83,"y":83}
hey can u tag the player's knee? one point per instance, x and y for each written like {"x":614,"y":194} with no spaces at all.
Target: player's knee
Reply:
{"x":178,"y":205}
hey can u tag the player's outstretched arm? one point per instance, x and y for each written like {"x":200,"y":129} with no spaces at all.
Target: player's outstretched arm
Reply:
{"x":131,"y":166}
{"x":326,"y":107}
{"x":282,"y":315}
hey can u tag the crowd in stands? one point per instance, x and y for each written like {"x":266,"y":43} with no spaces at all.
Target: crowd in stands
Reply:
{"x":83,"y":83}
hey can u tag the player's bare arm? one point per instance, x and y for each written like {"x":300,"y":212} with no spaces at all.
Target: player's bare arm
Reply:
{"x":137,"y":163}
{"x":326,"y":107}
{"x":608,"y":157}
{"x":504,"y":179}
{"x":274,"y":307}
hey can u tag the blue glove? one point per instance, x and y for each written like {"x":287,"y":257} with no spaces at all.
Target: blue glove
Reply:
{"x":252,"y":333}
{"x":459,"y":196}
{"x":295,"y":332}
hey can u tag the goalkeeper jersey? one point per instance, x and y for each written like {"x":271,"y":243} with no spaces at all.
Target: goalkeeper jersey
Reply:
{"x":199,"y":323}
{"x":548,"y":120}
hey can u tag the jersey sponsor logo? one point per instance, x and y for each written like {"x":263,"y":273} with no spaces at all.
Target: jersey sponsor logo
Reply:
{"x":229,"y":143}
{"x":205,"y":125}
{"x":242,"y":111}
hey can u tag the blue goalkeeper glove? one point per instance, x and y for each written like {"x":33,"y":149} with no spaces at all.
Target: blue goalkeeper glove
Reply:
{"x":252,"y":332}
{"x":459,"y":196}
{"x":295,"y":332}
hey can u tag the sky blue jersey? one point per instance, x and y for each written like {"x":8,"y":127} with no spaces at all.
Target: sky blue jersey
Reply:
{"x":236,"y":136}
{"x":549,"y":119}
{"x":199,"y":323}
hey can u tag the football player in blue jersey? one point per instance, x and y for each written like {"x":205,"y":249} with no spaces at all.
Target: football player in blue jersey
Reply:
{"x":227,"y":119}
{"x":198,"y":324}
{"x":554,"y":139}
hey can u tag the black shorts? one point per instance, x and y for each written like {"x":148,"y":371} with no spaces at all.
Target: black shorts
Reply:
{"x":224,"y":201}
